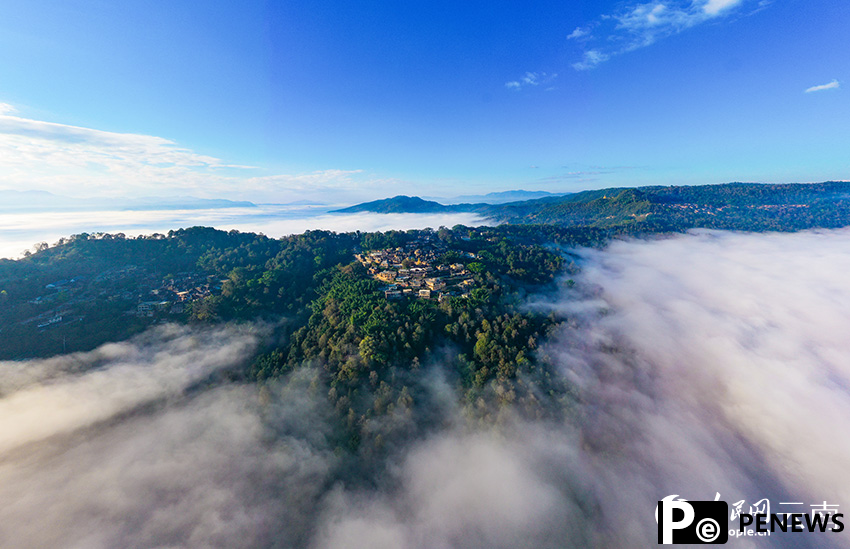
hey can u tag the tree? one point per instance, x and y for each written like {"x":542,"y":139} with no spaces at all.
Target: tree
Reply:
{"x":368,"y":347}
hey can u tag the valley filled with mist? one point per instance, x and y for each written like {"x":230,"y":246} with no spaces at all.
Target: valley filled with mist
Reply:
{"x":698,"y":363}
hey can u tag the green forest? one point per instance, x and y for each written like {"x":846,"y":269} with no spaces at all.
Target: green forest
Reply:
{"x":329,"y":316}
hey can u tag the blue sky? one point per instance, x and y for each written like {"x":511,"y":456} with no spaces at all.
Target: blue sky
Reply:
{"x":278,"y":101}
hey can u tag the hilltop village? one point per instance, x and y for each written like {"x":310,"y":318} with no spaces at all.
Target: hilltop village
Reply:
{"x":416,"y":270}
{"x":91,"y":289}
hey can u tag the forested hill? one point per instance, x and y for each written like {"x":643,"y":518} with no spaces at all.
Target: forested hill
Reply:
{"x":408,"y":204}
{"x":364,"y":312}
{"x":737,"y":206}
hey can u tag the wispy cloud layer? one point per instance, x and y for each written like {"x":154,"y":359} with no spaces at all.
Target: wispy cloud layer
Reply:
{"x":834,"y":85}
{"x":138,"y":374}
{"x":59,"y":155}
{"x":531,"y":79}
{"x":578,"y":33}
{"x":78,"y":161}
{"x":639,"y":25}
{"x":749,"y":326}
{"x":111,"y":449}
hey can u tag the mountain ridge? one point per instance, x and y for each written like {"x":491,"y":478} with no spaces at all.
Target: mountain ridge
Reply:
{"x":406,"y":204}
{"x":736,"y":206}
{"x":500,"y":197}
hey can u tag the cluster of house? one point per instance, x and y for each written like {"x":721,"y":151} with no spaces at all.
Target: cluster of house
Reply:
{"x":152,"y":294}
{"x":57,"y":292}
{"x":177,"y":293}
{"x":415,"y":271}
{"x":64,"y":283}
{"x":55,"y":287}
{"x":51,"y":321}
{"x":54,"y":317}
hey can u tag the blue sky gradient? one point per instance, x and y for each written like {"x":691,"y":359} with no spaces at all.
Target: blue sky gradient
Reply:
{"x":278,"y":101}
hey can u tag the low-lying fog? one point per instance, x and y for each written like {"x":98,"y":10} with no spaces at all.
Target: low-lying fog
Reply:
{"x":21,"y":231}
{"x":703,"y":363}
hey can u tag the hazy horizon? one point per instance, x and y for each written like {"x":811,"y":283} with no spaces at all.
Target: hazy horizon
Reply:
{"x":22,"y":231}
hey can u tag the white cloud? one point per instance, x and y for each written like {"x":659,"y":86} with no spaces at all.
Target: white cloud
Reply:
{"x":714,"y":7}
{"x":578,"y":33}
{"x":458,"y":490}
{"x":79,"y":161}
{"x":590,"y":60}
{"x":834,"y":85}
{"x":101,"y":144}
{"x":119,"y":454}
{"x":640,"y":25}
{"x":137,"y":376}
{"x":747,"y":329}
{"x":532,"y":79}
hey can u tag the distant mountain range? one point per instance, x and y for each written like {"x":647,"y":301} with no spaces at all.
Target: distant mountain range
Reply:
{"x":738,"y":206}
{"x":294,"y":203}
{"x":39,"y":201}
{"x":501,"y":197}
{"x":467,"y":203}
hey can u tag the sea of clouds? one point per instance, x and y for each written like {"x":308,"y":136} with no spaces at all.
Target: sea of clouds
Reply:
{"x":701,"y":363}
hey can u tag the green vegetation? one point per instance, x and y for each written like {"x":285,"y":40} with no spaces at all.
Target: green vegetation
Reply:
{"x":374,"y":356}
{"x":733,"y":206}
{"x":92,"y":285}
